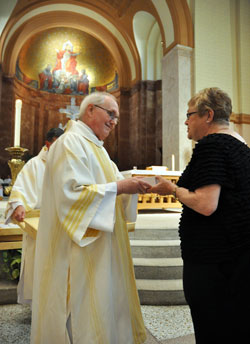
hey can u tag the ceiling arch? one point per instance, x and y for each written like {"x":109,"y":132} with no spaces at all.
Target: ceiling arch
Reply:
{"x":92,"y":23}
{"x":109,"y":21}
{"x":148,"y":38}
{"x":174,"y":20}
{"x":183,"y":25}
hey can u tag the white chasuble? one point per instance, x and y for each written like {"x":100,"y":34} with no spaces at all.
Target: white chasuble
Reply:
{"x":27,"y":191}
{"x":83,"y":267}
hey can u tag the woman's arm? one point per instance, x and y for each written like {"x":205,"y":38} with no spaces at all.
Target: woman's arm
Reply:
{"x":203,"y":200}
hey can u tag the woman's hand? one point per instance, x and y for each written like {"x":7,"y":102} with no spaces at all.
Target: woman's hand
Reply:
{"x":203,"y":200}
{"x":163,"y":187}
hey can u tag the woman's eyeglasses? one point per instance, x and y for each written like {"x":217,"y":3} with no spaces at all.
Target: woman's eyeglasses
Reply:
{"x":190,"y":114}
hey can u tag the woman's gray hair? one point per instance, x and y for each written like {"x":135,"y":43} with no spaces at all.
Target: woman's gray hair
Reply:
{"x":96,"y":98}
{"x":214,"y":99}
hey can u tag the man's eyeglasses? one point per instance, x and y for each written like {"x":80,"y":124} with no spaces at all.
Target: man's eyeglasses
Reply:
{"x":190,"y":114}
{"x":111,"y":114}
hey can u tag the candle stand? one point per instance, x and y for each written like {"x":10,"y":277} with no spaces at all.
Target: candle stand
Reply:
{"x":15,"y":164}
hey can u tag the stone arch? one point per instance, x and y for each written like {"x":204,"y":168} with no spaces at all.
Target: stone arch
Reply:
{"x":26,"y":23}
{"x":183,"y":26}
{"x":126,"y":62}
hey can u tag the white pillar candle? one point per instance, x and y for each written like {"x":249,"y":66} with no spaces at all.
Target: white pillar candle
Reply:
{"x":173,"y":162}
{"x":17,"y":123}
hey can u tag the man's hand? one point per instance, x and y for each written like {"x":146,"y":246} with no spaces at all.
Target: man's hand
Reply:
{"x":132,"y":186}
{"x":19,"y":213}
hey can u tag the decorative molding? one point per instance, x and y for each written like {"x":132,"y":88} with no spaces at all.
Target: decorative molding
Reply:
{"x":241,"y":118}
{"x":181,"y":50}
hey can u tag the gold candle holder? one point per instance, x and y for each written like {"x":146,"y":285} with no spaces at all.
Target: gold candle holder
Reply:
{"x":15,"y":164}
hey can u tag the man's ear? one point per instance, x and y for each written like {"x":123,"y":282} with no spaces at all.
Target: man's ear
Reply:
{"x":90,"y":109}
{"x":48,"y":144}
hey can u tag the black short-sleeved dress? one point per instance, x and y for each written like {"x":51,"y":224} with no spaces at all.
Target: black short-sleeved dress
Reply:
{"x":217,"y":159}
{"x":216,"y":248}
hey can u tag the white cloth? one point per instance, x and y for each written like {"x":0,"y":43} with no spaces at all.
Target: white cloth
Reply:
{"x":27,"y":191}
{"x":83,"y":266}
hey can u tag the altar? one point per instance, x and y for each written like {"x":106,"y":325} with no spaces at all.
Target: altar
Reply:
{"x":11,"y":234}
{"x":151,"y":200}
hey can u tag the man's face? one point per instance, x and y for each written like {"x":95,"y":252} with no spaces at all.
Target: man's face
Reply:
{"x":102,"y":123}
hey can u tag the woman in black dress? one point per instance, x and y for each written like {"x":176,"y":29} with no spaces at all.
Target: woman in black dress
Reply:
{"x":215,"y":224}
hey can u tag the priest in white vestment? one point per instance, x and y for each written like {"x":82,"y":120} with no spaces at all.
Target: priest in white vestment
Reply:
{"x":25,"y":196}
{"x":84,"y":284}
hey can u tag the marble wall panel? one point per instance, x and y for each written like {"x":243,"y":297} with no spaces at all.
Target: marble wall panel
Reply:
{"x":136,"y":141}
{"x":124,"y":134}
{"x":1,"y":76}
{"x":158,"y":132}
{"x":142,"y":144}
{"x":28,"y":134}
{"x":40,"y":112}
{"x":176,"y":91}
{"x":6,"y":124}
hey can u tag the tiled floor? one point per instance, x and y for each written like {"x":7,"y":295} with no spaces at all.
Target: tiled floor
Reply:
{"x":14,"y":324}
{"x":164,"y":324}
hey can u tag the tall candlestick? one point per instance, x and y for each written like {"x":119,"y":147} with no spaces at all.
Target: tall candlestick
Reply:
{"x":17,"y":122}
{"x":173,"y":162}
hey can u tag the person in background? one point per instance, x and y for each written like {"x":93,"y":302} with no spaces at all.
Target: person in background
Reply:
{"x":215,"y":223}
{"x":7,"y":180}
{"x":84,"y":283}
{"x":26,"y":195}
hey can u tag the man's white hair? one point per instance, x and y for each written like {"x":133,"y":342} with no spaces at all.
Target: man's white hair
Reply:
{"x":96,"y":98}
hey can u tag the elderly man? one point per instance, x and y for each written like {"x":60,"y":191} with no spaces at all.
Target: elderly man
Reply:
{"x":26,"y":195}
{"x":84,"y":285}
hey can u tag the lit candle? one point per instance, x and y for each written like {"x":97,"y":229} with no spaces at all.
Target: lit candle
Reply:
{"x":173,"y":163}
{"x":17,"y":123}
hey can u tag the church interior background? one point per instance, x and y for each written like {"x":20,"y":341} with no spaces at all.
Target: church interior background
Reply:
{"x":153,"y":55}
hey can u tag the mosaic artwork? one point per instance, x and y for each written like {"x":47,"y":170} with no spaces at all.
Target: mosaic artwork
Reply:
{"x":66,"y":61}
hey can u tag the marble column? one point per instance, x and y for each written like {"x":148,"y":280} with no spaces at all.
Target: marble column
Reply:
{"x":176,"y":91}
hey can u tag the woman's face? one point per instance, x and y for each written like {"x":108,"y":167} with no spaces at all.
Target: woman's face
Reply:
{"x":197,"y":126}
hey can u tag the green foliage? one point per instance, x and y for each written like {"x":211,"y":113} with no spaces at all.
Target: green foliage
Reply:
{"x":10,"y":264}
